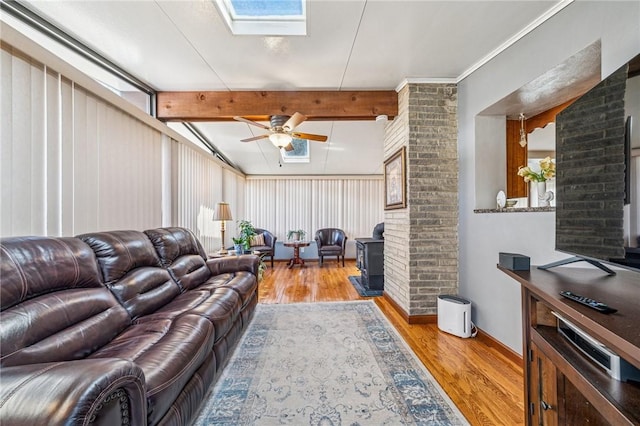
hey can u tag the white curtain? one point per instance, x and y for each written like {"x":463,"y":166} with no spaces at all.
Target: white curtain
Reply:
{"x":353,"y":204}
{"x":72,"y":162}
{"x":197,"y":187}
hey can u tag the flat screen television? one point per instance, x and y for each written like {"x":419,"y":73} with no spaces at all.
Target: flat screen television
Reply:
{"x":594,"y":180}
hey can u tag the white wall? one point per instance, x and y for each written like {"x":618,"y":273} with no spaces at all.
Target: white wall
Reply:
{"x":491,"y":160}
{"x":495,"y":297}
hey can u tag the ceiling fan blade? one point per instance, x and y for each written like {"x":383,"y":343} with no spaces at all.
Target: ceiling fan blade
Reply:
{"x":289,"y":147}
{"x":253,"y":123}
{"x":309,"y":136}
{"x":293,"y":121}
{"x":255,"y":138}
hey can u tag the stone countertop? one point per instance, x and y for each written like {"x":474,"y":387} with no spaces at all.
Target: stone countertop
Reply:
{"x":517,"y":210}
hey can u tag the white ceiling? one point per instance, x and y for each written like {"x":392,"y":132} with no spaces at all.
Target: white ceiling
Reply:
{"x":350,"y":45}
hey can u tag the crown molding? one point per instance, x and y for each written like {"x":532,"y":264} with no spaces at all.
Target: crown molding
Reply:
{"x":526,"y":30}
{"x":504,"y":46}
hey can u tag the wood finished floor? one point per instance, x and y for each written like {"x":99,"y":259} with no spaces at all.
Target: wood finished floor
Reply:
{"x":484,"y":384}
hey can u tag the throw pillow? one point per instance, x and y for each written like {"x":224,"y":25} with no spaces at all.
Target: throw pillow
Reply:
{"x":257,"y":240}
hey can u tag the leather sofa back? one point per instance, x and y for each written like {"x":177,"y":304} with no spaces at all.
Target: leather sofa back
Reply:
{"x":54,"y":306}
{"x":131,"y":269}
{"x":182,"y":254}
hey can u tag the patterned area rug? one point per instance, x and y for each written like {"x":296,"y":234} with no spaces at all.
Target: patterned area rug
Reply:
{"x":325,"y":364}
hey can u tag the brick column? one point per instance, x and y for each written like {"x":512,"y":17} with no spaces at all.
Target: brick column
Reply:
{"x":421,"y":241}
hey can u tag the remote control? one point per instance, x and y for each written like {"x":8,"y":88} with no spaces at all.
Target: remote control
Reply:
{"x":593,"y":304}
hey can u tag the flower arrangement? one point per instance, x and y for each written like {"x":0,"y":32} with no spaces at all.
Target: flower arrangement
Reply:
{"x":547,"y":171}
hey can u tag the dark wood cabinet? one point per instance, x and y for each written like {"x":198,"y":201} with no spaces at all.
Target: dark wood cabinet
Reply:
{"x":562,"y":385}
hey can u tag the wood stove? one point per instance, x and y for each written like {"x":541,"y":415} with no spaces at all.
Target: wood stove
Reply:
{"x":370,"y":262}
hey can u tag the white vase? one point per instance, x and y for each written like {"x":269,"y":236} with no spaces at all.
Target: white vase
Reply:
{"x":544,"y":196}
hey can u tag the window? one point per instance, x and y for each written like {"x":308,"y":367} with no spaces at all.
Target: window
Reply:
{"x":299,"y":154}
{"x":80,"y":56}
{"x":264,"y":17}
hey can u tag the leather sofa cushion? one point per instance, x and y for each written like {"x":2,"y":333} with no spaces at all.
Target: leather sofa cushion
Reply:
{"x":189,"y":271}
{"x":131,"y":268}
{"x":145,"y":290}
{"x":119,"y":252}
{"x":241,"y":282}
{"x":220,"y":306}
{"x":168,"y":351}
{"x":171,"y":243}
{"x":181,"y":253}
{"x":330,"y":249}
{"x":54,"y":305}
{"x":62,"y":326}
{"x":32,"y":266}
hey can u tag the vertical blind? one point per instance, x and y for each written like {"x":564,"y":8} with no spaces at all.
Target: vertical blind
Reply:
{"x":198,"y":187}
{"x":353,"y":204}
{"x":71,"y":162}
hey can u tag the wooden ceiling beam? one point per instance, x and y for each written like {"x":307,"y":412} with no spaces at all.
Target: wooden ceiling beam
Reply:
{"x":260,"y":105}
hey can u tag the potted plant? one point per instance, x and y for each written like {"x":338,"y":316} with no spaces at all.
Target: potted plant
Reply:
{"x":261,"y":268}
{"x":238,"y":245}
{"x":296,"y":234}
{"x":246,"y":231}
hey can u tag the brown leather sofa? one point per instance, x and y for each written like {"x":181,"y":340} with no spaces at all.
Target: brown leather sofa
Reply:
{"x":115,"y":328}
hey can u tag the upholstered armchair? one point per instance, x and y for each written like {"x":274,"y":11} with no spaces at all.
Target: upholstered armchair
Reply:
{"x":331,"y":242}
{"x":265,"y":242}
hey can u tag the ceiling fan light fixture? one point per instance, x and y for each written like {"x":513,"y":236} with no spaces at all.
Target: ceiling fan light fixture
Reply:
{"x":280,"y":140}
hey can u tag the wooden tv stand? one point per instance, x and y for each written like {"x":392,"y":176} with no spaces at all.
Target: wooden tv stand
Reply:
{"x":562,"y":385}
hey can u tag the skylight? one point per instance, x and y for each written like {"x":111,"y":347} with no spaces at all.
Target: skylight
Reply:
{"x":299,"y":154}
{"x":264,"y":17}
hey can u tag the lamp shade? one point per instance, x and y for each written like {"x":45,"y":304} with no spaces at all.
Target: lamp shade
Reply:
{"x":222,"y":212}
{"x":280,"y":139}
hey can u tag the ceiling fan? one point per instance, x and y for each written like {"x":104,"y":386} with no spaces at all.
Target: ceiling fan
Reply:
{"x":281,"y":131}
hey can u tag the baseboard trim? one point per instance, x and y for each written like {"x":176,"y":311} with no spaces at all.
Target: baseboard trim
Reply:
{"x":485,"y":337}
{"x":395,"y":306}
{"x":500,"y":347}
{"x":410,"y":319}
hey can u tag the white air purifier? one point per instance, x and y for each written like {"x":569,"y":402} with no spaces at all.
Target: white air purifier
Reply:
{"x":454,"y":315}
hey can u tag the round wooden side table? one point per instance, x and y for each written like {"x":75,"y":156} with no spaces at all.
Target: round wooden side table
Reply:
{"x":296,"y":259}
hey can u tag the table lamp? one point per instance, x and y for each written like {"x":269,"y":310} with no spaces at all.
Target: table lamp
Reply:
{"x":222,"y":213}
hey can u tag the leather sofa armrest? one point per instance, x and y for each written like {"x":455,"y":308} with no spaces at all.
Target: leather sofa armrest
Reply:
{"x":110,"y":390}
{"x":229,"y":264}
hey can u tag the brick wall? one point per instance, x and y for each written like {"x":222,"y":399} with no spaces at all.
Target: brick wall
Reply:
{"x":396,"y":222}
{"x":590,"y":178}
{"x":421,"y":241}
